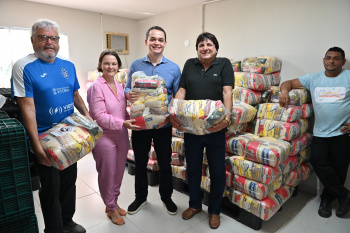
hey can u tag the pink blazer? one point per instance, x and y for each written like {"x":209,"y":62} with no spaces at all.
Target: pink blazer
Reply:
{"x":105,"y":107}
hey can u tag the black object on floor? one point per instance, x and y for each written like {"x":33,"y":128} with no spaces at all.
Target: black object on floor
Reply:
{"x":180,"y":185}
{"x":35,"y":183}
{"x":153,"y":178}
{"x":131,"y":167}
{"x":295,"y":192}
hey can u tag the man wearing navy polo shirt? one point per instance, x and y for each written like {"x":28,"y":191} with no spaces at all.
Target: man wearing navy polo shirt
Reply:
{"x":153,"y":64}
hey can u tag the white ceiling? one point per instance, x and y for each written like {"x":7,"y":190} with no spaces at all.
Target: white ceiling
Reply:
{"x":132,"y":9}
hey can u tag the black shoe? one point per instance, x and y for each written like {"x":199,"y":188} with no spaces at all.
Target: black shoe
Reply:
{"x":72,"y":227}
{"x":325,"y":209}
{"x":344,"y":206}
{"x":170,"y":206}
{"x":136,"y":206}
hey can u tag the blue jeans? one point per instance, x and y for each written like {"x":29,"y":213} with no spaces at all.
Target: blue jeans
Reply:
{"x":215,"y":150}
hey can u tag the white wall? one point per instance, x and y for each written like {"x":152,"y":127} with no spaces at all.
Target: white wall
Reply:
{"x":83,"y":28}
{"x":179,"y":25}
{"x":297,"y":31}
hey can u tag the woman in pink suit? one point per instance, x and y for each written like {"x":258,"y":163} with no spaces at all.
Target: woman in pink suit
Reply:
{"x":107,"y":106}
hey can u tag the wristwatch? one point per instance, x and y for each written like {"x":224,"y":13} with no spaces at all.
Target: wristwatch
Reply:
{"x":228,"y":119}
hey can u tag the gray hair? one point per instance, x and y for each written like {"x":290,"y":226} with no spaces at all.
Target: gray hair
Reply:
{"x":44,"y":23}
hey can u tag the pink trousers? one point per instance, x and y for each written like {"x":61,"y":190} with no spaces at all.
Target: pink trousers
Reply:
{"x":110,"y":155}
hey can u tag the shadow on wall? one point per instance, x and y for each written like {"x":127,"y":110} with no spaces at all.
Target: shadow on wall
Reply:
{"x":347,"y":64}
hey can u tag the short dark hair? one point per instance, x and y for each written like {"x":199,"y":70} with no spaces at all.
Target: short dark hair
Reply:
{"x":337,"y":49}
{"x":156,"y":28}
{"x":108,"y":52}
{"x":207,"y":35}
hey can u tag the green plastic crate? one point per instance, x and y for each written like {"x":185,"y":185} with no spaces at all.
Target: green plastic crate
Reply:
{"x":16,"y":197}
{"x":13,"y":150}
{"x":27,"y":225}
{"x":18,"y":174}
{"x":11,"y":131}
{"x":13,"y":143}
{"x":3,"y":115}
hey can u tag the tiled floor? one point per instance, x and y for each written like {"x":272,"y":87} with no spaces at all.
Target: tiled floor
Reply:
{"x":299,"y":214}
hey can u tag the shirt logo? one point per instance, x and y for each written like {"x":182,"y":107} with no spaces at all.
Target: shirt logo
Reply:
{"x":60,"y":109}
{"x":54,"y":111}
{"x":60,"y":90}
{"x":43,"y":75}
{"x":329,"y":94}
{"x":215,"y":75}
{"x":64,"y":73}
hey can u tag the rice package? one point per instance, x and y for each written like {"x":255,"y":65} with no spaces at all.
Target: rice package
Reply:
{"x":236,"y":144}
{"x":274,"y":111}
{"x":152,"y":153}
{"x":258,"y":82}
{"x":267,"y":150}
{"x":304,"y":155}
{"x":239,"y":128}
{"x":246,"y":95}
{"x":297,"y":96}
{"x":150,"y":109}
{"x":152,"y":165}
{"x":177,"y":159}
{"x":286,"y":131}
{"x":252,"y":170}
{"x":254,"y":188}
{"x":305,"y":169}
{"x":130,"y":141}
{"x":130,"y":156}
{"x":196,"y":116}
{"x":289,"y":164}
{"x":292,"y":178}
{"x":178,"y":145}
{"x":300,"y":143}
{"x":266,"y":96}
{"x":242,"y":112}
{"x":261,"y":65}
{"x":308,"y":111}
{"x":205,"y":183}
{"x":229,"y":179}
{"x":179,"y":172}
{"x":304,"y":125}
{"x":264,"y":208}
{"x":236,"y":65}
{"x":177,"y":133}
{"x":70,"y":140}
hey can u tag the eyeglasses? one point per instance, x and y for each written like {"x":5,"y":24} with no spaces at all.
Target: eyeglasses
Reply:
{"x":43,"y":38}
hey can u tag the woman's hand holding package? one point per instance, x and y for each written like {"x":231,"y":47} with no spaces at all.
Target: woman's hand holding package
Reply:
{"x":129,"y":124}
{"x":132,"y":96}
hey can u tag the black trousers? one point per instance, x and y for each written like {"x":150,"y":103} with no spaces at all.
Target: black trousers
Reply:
{"x":330,"y":158}
{"x":57,"y":195}
{"x":215,"y":151}
{"x":141,"y":144}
